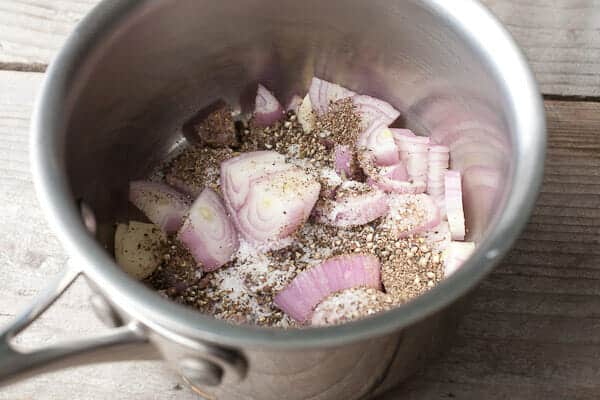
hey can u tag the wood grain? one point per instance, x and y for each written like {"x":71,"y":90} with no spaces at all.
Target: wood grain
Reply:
{"x":560,"y":37}
{"x":32,"y":31}
{"x":533,"y":331}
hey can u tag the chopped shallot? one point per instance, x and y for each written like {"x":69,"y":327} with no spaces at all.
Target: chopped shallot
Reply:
{"x":306,"y":115}
{"x":438,"y":165}
{"x":322,"y":93}
{"x":381,"y":144}
{"x":398,"y":133}
{"x":415,"y":149}
{"x":311,"y":286}
{"x":455,"y":255}
{"x":267,"y":109}
{"x":355,"y":204}
{"x":277,"y":205}
{"x":163,"y":205}
{"x":238,"y":173}
{"x":208,"y":232}
{"x":343,"y":160}
{"x":480,"y":189}
{"x":364,"y":186}
{"x":454,"y":205}
{"x":375,"y":114}
{"x":391,"y":179}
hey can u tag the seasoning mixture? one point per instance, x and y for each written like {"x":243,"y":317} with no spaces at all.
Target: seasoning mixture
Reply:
{"x":319,"y":215}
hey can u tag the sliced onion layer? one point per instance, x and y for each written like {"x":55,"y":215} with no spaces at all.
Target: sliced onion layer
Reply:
{"x":355,"y":204}
{"x":455,"y":255}
{"x":415,"y":150}
{"x":277,"y":205}
{"x":163,"y":205}
{"x":238,"y":173}
{"x":381,"y":144}
{"x":391,"y":179}
{"x":481,"y":187}
{"x":323,"y":92}
{"x":306,"y":115}
{"x":267,"y":109}
{"x":454,"y":205}
{"x":310,"y":287}
{"x":344,"y":160}
{"x":398,"y":133}
{"x":350,"y":304}
{"x":438,"y":237}
{"x":438,"y":159}
{"x":411,"y":214}
{"x":208,"y":233}
{"x":375,"y":114}
{"x":396,"y":172}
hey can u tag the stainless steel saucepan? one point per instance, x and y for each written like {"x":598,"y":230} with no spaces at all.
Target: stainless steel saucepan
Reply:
{"x":133,"y":71}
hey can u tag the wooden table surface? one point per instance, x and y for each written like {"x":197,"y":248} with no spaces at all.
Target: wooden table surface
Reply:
{"x":534,"y":329}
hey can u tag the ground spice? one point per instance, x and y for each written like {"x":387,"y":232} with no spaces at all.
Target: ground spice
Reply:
{"x":341,"y":124}
{"x":196,"y":168}
{"x":177,"y":271}
{"x":411,"y":269}
{"x":214,"y":126}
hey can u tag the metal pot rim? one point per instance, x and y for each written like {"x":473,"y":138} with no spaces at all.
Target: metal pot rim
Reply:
{"x":161,"y":315}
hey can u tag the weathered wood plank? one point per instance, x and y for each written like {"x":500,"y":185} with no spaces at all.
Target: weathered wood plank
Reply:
{"x":489,"y":391}
{"x":559,"y":38}
{"x":32,"y":31}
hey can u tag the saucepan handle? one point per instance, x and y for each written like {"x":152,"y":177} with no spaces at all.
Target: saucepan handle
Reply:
{"x":126,"y":342}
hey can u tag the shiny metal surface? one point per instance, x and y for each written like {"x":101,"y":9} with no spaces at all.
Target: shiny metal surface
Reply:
{"x":128,"y":342}
{"x":133,"y":71}
{"x":200,"y":372}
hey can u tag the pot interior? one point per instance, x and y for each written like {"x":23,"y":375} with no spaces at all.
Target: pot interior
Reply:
{"x":162,"y":61}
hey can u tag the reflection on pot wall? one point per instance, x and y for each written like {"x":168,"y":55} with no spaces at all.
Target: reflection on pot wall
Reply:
{"x":359,"y":371}
{"x":479,"y":146}
{"x":343,"y":372}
